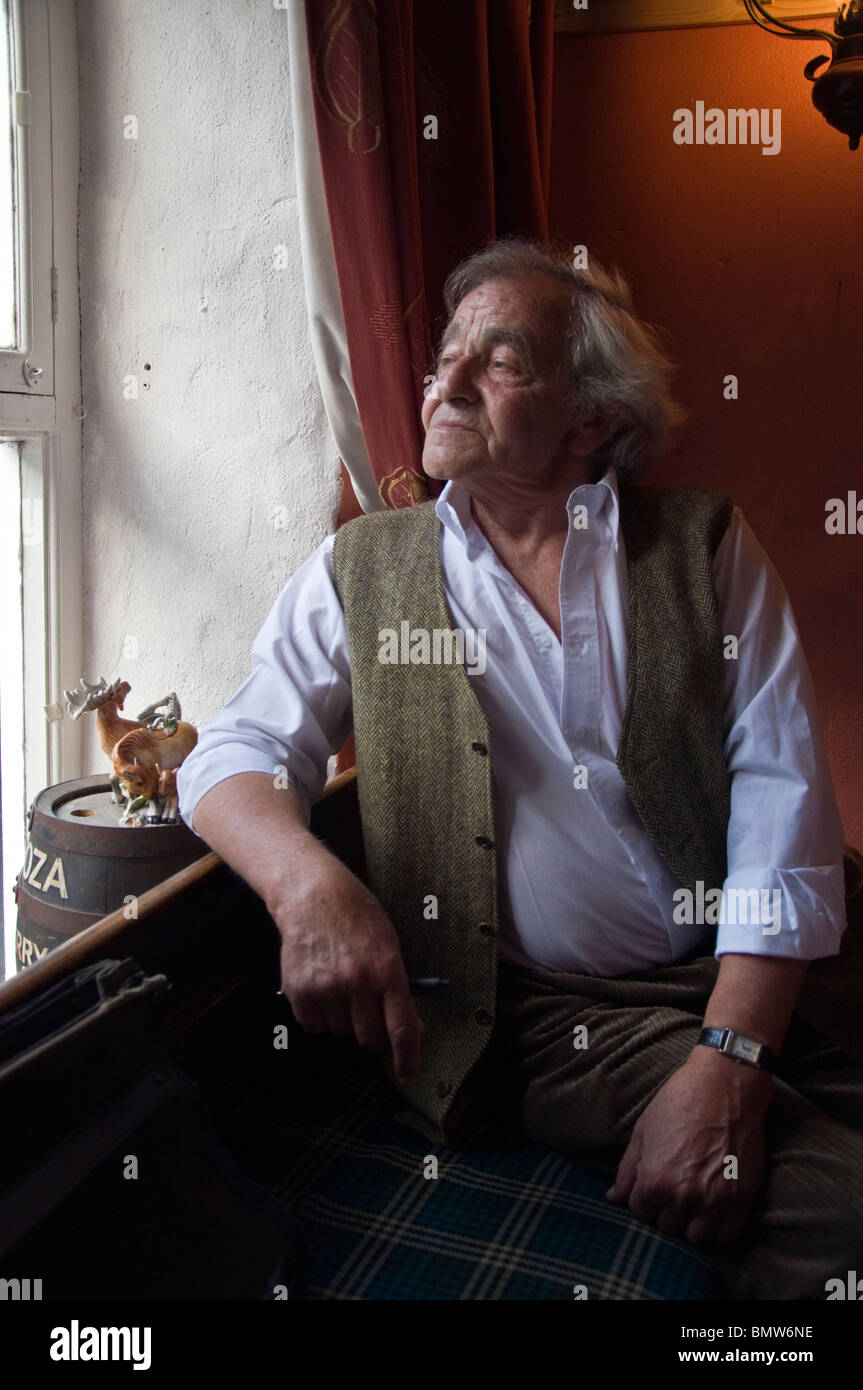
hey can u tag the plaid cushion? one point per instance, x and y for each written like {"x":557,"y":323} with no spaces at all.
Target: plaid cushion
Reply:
{"x":503,"y":1219}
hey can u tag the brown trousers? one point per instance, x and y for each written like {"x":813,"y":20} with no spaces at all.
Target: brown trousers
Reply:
{"x":806,"y":1226}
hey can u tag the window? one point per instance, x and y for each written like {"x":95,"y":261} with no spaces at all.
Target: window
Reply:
{"x":40,"y":442}
{"x":24,"y":758}
{"x":26,"y":263}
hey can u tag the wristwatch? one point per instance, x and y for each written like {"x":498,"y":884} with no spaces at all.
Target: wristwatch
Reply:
{"x":735,"y":1045}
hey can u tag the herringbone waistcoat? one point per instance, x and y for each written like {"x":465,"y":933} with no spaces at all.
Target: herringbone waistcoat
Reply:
{"x":424,"y":754}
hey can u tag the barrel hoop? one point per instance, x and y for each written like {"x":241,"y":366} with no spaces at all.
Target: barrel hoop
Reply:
{"x":168,"y":842}
{"x":33,"y":943}
{"x":49,"y":915}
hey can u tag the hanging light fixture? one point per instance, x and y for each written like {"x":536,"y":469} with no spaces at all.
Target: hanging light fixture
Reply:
{"x":838,"y":92}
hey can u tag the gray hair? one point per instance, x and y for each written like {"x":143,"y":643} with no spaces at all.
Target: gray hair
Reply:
{"x":619,"y":371}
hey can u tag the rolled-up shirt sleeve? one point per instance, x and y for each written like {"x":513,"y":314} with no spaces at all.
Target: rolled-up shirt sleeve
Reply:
{"x":294,"y":708}
{"x":784,"y":894}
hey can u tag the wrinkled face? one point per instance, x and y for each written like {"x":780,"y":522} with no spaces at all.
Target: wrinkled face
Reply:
{"x":498,"y":404}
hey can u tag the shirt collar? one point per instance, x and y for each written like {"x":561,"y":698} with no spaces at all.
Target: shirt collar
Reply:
{"x":601,"y":498}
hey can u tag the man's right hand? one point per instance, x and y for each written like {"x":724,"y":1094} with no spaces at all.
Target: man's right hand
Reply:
{"x":342,"y":969}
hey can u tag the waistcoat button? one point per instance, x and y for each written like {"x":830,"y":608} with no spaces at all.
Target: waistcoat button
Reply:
{"x":478,"y":746}
{"x":484,"y":842}
{"x":486,"y":928}
{"x":483,"y":1016}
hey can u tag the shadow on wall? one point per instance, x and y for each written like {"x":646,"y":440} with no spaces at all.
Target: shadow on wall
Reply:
{"x":749,"y":260}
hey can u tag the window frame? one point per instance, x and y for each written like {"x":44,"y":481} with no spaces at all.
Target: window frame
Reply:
{"x":50,"y":413}
{"x":29,"y":368}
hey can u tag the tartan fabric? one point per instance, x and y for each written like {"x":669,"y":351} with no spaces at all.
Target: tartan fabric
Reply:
{"x":504,"y":1219}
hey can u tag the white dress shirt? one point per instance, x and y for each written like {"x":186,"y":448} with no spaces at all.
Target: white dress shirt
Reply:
{"x":581,"y":885}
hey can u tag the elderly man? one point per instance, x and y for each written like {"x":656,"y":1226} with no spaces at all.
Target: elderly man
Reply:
{"x":614,"y":836}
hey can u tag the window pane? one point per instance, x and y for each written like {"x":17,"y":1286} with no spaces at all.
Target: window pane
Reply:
{"x":8,"y":324}
{"x":25,"y":761}
{"x":11,"y":689}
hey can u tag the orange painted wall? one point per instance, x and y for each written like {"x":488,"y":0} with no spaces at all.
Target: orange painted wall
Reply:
{"x":753,"y":264}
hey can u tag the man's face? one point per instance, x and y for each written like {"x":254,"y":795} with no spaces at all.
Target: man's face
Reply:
{"x":497,"y":409}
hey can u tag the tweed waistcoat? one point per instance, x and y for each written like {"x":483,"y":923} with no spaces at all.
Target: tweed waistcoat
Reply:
{"x":424,"y":753}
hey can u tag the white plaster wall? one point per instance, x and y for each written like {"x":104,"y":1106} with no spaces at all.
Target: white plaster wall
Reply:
{"x":204,"y":494}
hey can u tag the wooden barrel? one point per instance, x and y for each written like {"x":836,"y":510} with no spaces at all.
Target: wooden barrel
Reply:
{"x":82,"y":864}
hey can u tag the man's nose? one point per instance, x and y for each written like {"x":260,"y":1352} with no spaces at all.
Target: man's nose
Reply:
{"x":456,"y":381}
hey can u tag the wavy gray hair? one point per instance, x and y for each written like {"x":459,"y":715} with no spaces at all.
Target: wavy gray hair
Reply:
{"x":620,"y":372}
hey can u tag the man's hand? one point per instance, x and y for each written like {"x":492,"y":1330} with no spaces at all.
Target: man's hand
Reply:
{"x":342,"y":968}
{"x":672,"y":1174}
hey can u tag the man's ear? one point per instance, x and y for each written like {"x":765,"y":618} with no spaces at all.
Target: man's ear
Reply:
{"x":586,"y":436}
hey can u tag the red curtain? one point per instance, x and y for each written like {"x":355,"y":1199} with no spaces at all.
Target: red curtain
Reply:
{"x":433,"y":123}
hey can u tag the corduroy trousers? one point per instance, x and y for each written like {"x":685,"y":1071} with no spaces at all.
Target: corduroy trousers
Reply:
{"x":806,"y":1226}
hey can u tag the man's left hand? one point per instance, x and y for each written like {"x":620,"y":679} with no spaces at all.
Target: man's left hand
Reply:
{"x":675,"y":1173}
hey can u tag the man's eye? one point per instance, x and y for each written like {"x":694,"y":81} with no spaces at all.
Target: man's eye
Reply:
{"x":502,"y":362}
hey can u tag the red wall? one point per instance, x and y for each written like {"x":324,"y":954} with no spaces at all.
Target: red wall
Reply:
{"x":752,"y":264}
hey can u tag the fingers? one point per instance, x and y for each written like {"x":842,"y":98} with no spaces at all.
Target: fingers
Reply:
{"x":677,"y":1218}
{"x":341,"y":1015}
{"x":405,"y":1030}
{"x":716,"y":1223}
{"x":373,"y":1018}
{"x":732,"y":1225}
{"x":373,"y":1025}
{"x":337,"y":1015}
{"x":351,"y":983}
{"x":689,"y":1219}
{"x":368,"y":1021}
{"x":701,"y":1219}
{"x":701,"y":1230}
{"x":307,"y":1014}
{"x":655,"y":1210}
{"x":627,"y":1174}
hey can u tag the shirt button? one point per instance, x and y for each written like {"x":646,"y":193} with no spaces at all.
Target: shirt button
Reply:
{"x":479,"y":747}
{"x":484,"y":842}
{"x":483,"y":1016}
{"x":443,"y":1088}
{"x":580,"y":731}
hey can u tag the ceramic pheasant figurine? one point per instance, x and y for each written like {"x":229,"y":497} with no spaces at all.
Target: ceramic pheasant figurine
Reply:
{"x":145,"y":752}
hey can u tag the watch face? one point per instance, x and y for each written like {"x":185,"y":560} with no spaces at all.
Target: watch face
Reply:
{"x":746,"y":1050}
